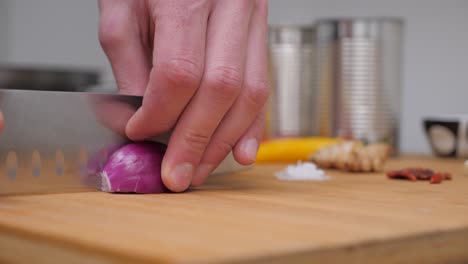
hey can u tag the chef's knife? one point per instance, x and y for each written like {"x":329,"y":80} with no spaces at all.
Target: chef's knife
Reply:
{"x":58,"y":141}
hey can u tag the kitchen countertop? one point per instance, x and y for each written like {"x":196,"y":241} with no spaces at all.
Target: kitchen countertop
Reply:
{"x":249,"y":216}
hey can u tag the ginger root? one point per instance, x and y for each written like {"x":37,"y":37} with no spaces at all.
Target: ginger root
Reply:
{"x":352,"y":156}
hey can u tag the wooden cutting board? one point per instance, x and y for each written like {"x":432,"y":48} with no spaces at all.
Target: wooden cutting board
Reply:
{"x":249,"y":216}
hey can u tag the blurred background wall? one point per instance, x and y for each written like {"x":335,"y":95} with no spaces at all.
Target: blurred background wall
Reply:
{"x":3,"y":30}
{"x":51,"y":32}
{"x":435,"y":77}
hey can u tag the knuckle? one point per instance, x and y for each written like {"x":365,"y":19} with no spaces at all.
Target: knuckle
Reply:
{"x":225,"y":81}
{"x":246,"y":5}
{"x":261,"y":6}
{"x":127,"y":88}
{"x":223,"y":146}
{"x":182,"y":72}
{"x":260,"y":123}
{"x":112,"y":31}
{"x":257,"y":94}
{"x":195,"y":140}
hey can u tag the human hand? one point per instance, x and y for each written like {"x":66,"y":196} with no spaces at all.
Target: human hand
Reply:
{"x":201,"y":66}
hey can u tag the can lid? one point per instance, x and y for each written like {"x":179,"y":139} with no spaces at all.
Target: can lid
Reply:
{"x":366,"y":19}
{"x":291,"y":34}
{"x":352,"y":27}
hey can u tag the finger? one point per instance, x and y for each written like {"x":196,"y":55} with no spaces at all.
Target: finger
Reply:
{"x":112,"y":112}
{"x":122,"y":36}
{"x":178,"y":59}
{"x":221,"y":84}
{"x":245,"y":151}
{"x":247,"y":106}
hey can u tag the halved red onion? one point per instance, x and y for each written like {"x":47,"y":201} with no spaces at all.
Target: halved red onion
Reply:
{"x":134,"y":168}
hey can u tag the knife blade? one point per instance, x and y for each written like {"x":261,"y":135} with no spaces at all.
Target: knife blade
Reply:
{"x":57,"y":141}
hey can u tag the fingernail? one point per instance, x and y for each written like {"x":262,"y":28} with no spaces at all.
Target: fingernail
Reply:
{"x":201,"y":173}
{"x":250,"y":148}
{"x":181,"y":176}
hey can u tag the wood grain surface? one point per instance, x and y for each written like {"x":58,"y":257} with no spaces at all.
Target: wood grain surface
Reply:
{"x":249,"y":216}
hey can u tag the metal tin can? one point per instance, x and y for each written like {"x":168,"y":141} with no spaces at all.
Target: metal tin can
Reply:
{"x":359,"y":65}
{"x":293,"y":80}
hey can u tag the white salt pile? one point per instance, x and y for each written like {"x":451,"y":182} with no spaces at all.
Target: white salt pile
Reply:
{"x":302,"y":171}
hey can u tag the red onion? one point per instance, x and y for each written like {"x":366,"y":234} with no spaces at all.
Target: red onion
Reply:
{"x":134,"y":168}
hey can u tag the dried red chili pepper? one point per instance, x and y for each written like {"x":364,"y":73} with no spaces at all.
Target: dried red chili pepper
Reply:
{"x":436,"y":178}
{"x":422,"y":174}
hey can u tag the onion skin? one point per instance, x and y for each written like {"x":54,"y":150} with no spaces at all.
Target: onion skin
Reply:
{"x":134,"y":168}
{"x":98,"y":160}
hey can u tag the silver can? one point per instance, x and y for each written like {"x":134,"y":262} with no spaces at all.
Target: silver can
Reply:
{"x":292,"y":80}
{"x":359,"y":65}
